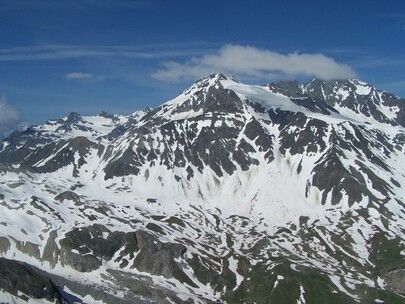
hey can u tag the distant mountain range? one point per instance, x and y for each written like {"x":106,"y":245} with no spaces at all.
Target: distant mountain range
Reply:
{"x":229,"y":193}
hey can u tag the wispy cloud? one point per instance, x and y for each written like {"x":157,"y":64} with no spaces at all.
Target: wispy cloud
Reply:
{"x":50,"y":52}
{"x":79,"y":75}
{"x":246,"y":61}
{"x":127,"y":4}
{"x":397,"y":87}
{"x":371,"y":62}
{"x":60,"y":52}
{"x":400,"y":18}
{"x":9,"y":118}
{"x":7,"y":114}
{"x":77,"y":4}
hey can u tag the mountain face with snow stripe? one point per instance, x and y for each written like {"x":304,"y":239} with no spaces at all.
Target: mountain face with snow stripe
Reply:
{"x":351,"y":96}
{"x":230,"y":192}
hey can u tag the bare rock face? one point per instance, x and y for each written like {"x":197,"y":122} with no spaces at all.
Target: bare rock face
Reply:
{"x":395,"y":280}
{"x":160,"y":258}
{"x":17,"y":278}
{"x":4,"y":244}
{"x":85,"y":248}
{"x":68,"y":195}
{"x":51,"y":250}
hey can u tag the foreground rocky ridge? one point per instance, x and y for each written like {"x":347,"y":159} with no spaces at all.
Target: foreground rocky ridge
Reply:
{"x":228,"y":193}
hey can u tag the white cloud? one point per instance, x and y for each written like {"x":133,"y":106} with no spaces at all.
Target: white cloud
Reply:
{"x":246,"y":61}
{"x":9,"y":118}
{"x":79,"y":75}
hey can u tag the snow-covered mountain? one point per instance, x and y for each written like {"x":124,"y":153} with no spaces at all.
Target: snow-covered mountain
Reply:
{"x":283,"y":193}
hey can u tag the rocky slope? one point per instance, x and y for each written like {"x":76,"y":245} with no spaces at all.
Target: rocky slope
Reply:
{"x":284,"y":193}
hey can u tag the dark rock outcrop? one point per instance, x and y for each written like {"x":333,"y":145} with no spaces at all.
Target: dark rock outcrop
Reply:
{"x":395,"y":280}
{"x":17,"y":278}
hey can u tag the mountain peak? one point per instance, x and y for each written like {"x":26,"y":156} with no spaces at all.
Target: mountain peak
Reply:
{"x":214,"y":78}
{"x":350,"y":85}
{"x":217,"y":76}
{"x":73,"y":117}
{"x":286,"y":195}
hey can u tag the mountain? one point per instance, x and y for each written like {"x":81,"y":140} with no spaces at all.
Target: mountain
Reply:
{"x":229,"y":193}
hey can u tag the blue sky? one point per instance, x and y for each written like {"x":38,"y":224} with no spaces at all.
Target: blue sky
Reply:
{"x":58,"y":56}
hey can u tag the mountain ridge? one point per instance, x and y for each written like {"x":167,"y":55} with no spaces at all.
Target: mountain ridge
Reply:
{"x":241,"y":191}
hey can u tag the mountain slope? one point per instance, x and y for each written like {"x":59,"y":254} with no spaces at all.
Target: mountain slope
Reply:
{"x":229,"y":192}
